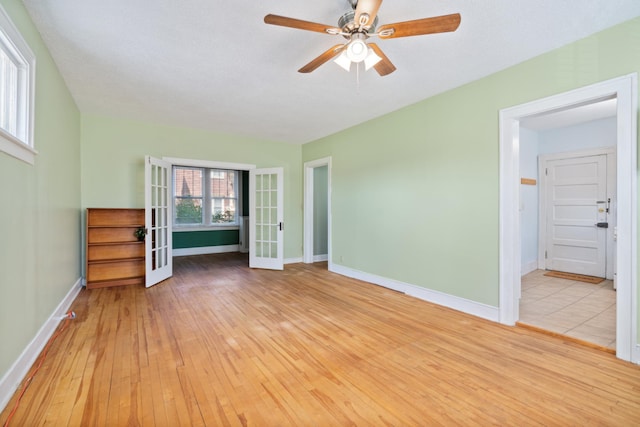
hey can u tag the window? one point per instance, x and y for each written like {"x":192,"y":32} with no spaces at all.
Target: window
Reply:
{"x":17,"y":76}
{"x":188,"y":184}
{"x":205,"y":197}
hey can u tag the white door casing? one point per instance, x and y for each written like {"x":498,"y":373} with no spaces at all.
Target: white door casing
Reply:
{"x":575,"y":201}
{"x":625,"y":90}
{"x":308,"y":209}
{"x":266,"y":220}
{"x":158,"y":221}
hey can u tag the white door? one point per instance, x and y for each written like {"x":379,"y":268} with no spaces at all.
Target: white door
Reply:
{"x":576,"y":217}
{"x":266,"y":226}
{"x":158,"y":220}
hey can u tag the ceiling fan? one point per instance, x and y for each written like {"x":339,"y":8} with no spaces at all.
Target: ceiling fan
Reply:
{"x":357,"y":26}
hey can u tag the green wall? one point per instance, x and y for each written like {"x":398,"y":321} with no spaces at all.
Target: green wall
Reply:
{"x":40,"y":215}
{"x":113,"y":153}
{"x":245,"y":193}
{"x":415,"y":193}
{"x":198,"y":239}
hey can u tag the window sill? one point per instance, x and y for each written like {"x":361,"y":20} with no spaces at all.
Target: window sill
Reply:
{"x":16,"y":148}
{"x":183,"y":228}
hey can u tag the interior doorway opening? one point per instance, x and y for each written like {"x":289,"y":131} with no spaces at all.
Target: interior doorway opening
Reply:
{"x":567,"y":217}
{"x":317,"y":211}
{"x":211,"y":239}
{"x":624,"y":91}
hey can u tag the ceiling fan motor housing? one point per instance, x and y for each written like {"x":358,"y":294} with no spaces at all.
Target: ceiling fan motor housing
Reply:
{"x":348,"y":25}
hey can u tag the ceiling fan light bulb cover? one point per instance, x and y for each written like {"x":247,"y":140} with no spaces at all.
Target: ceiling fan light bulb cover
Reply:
{"x":371,"y":60}
{"x":357,"y":50}
{"x":343,"y":61}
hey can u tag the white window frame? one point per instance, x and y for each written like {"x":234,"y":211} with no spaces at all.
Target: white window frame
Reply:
{"x":237,"y":182}
{"x":20,"y":145}
{"x":201,"y":198}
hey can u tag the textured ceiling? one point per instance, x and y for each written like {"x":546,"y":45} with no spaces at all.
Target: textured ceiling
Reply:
{"x":215,"y":65}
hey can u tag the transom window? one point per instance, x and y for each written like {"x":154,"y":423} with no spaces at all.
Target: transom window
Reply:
{"x":204,"y":196}
{"x":17,"y":71}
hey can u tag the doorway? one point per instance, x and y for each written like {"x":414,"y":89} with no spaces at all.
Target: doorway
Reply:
{"x":624,"y":90}
{"x":569,"y":167}
{"x":201,"y":240}
{"x":317,"y":211}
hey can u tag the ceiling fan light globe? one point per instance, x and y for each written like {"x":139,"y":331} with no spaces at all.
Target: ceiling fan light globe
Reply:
{"x":357,"y":50}
{"x":371,"y":60}
{"x":343,"y":61}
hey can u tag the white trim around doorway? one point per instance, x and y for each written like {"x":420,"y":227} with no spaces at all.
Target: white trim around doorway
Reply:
{"x":625,"y":90}
{"x":308,"y":256}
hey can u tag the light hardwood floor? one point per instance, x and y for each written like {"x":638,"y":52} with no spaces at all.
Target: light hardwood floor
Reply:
{"x":222,"y":345}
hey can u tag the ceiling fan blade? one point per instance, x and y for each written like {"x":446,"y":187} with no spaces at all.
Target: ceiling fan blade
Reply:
{"x":324,"y":57}
{"x":385,"y":66}
{"x":437,"y":24}
{"x":368,"y":7}
{"x":283,"y":21}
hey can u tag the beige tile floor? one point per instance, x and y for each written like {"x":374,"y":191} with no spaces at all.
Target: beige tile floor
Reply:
{"x":576,"y":309}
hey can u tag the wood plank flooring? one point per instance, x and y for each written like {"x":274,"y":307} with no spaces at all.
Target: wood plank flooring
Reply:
{"x":222,"y":345}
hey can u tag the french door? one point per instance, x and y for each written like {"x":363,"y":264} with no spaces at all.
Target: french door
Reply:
{"x":158,"y":220}
{"x":266,"y":226}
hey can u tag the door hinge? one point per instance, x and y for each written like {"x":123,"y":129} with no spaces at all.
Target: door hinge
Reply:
{"x":546,"y":171}
{"x":545,"y":254}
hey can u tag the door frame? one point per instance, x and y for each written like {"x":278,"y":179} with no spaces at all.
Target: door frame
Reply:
{"x":610,"y":153}
{"x":307,"y":249}
{"x":625,"y":90}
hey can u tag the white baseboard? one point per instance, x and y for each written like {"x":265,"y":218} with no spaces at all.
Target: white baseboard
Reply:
{"x":320,"y":258}
{"x":12,"y":378}
{"x":204,"y":250}
{"x":461,"y":304}
{"x":292,"y":260}
{"x":528,"y":267}
{"x":635,"y":355}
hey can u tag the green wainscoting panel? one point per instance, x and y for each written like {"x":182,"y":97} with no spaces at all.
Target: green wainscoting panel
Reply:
{"x":199,"y":239}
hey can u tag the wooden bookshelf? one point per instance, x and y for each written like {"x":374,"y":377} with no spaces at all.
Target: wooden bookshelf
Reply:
{"x":114,"y":255}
